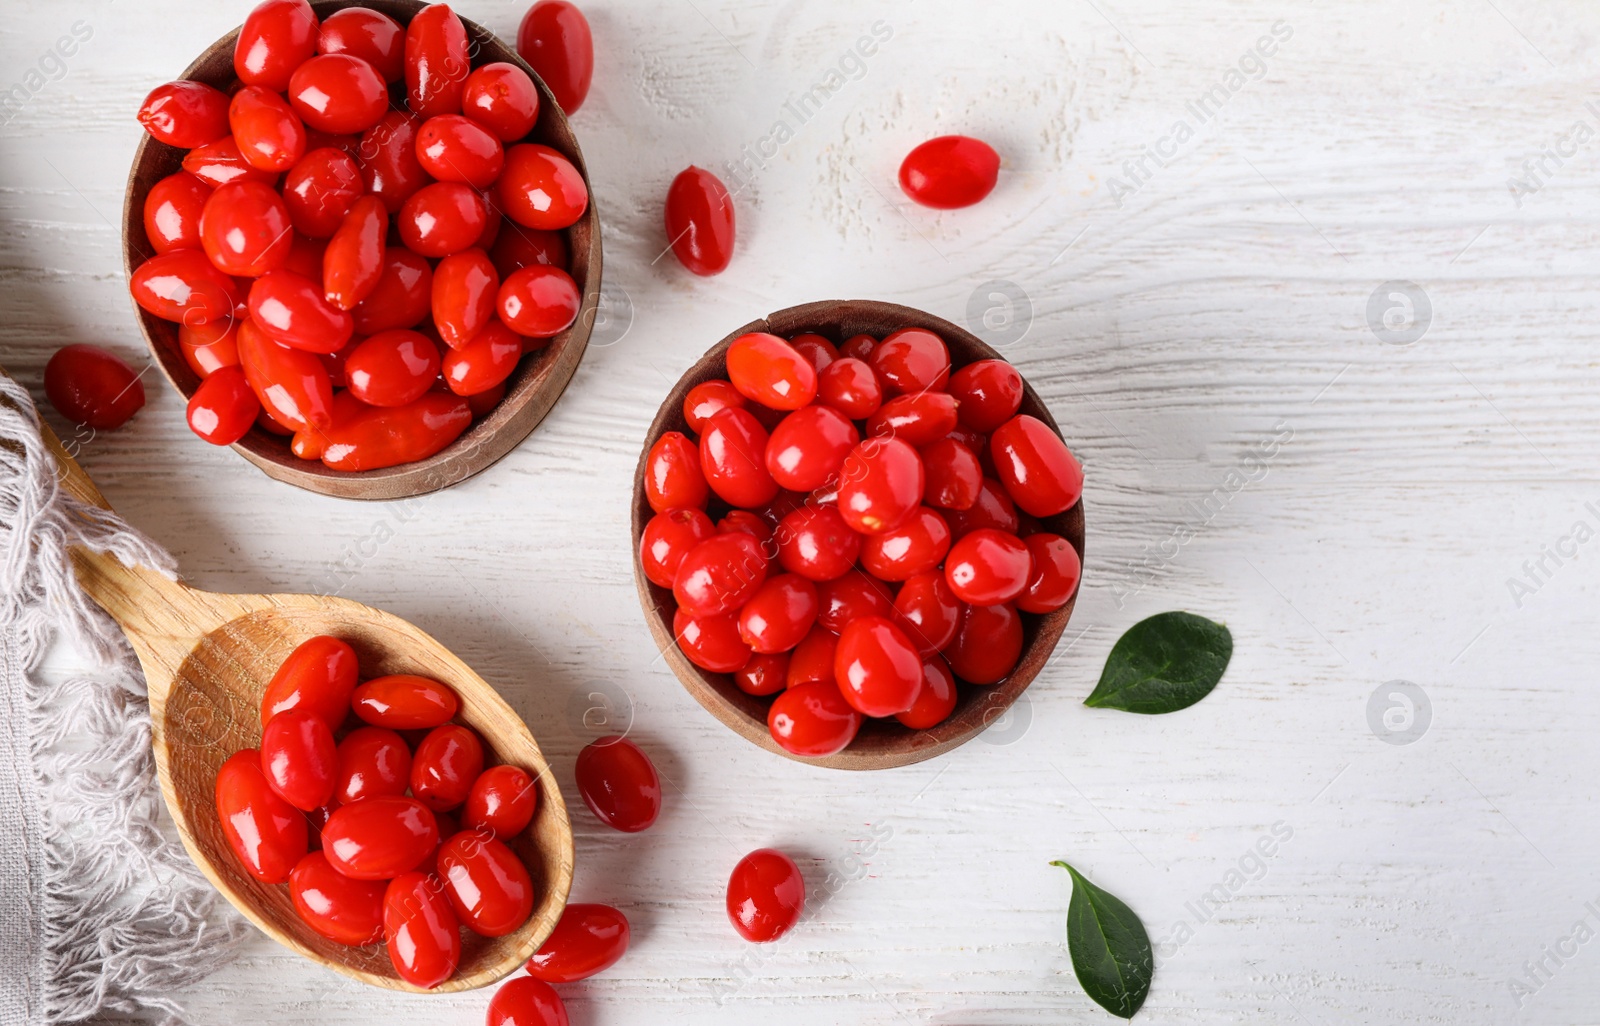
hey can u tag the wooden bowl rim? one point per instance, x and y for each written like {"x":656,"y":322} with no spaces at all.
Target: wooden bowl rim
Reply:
{"x":534,"y":387}
{"x":979,"y":706}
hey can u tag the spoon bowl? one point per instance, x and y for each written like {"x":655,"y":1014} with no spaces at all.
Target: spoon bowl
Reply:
{"x":207,"y":660}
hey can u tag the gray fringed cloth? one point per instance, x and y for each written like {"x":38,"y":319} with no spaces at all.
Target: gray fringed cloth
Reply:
{"x":101,"y":914}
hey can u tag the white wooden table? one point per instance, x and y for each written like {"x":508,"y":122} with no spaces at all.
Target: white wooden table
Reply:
{"x":1200,"y":326}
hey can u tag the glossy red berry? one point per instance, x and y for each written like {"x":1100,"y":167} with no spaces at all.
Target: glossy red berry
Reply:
{"x":1055,"y":575}
{"x":937,"y":699}
{"x":343,"y":910}
{"x":392,"y":368}
{"x":172,"y":211}
{"x":294,"y":312}
{"x":401,"y":297}
{"x":207,"y":348}
{"x":220,"y":162}
{"x":422,"y":931}
{"x":852,"y":596}
{"x":316,"y":677}
{"x":185,"y":114}
{"x":667,"y":537}
{"x":711,"y":642}
{"x":950,"y":171}
{"x":438,"y":59}
{"x":753,"y":524}
{"x":673,"y":478}
{"x":911,"y":360}
{"x":877,"y":667}
{"x":93,"y":386}
{"x":768,"y":370}
{"x":880,"y":485}
{"x":245,"y":229}
{"x":502,"y":801}
{"x":373,"y":763}
{"x":526,"y":1001}
{"x":812,"y":719}
{"x":446,"y":764}
{"x":766,"y":895}
{"x":987,"y":567}
{"x":277,"y":37}
{"x":502,"y":98}
{"x":268,"y":132}
{"x":539,"y":301}
{"x":540,"y":188}
{"x":779,"y":614}
{"x":338,"y":93}
{"x":380,"y":838}
{"x":764,"y":674}
{"x":517,"y":247}
{"x":812,"y":659}
{"x":266,"y":833}
{"x":487,"y":885}
{"x":700,"y":222}
{"x":404,"y":701}
{"x":223,"y":409}
{"x":619,"y":784}
{"x":588,"y":939}
{"x":299,"y":759}
{"x":929,"y":611}
{"x":554,"y":38}
{"x":816,"y":543}
{"x":807,"y":448}
{"x":987,"y":645}
{"x":1035,"y":466}
{"x":990,"y":393}
{"x":952,"y":474}
{"x":292,"y":385}
{"x":918,"y":419}
{"x":720,"y":574}
{"x":850,"y":386}
{"x":915,"y":547}
{"x":183,"y":286}
{"x":992,"y":508}
{"x":388,"y":154}
{"x":733,"y":450}
{"x":442,"y":218}
{"x":858,"y":347}
{"x":364,"y":33}
{"x":320,"y":190}
{"x":485,"y":362}
{"x":454,"y":148}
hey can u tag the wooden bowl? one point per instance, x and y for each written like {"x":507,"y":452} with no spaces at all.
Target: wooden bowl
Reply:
{"x":882,"y":743}
{"x":530,"y":391}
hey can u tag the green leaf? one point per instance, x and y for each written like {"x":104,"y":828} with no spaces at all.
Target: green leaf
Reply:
{"x":1163,"y":664}
{"x":1110,"y":950}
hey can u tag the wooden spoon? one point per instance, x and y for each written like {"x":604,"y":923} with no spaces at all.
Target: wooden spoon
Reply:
{"x":207,"y":660}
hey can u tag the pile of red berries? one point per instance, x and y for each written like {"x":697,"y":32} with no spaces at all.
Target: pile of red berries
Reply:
{"x":878,"y":538}
{"x":378,"y":839}
{"x":361,"y":246}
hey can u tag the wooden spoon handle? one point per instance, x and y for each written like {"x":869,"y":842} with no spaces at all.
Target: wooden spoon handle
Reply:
{"x":73,"y":479}
{"x":161,"y":617}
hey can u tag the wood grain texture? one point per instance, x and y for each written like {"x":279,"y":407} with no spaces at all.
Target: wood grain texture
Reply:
{"x":531,"y":390}
{"x":881,"y":743}
{"x":1219,"y":308}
